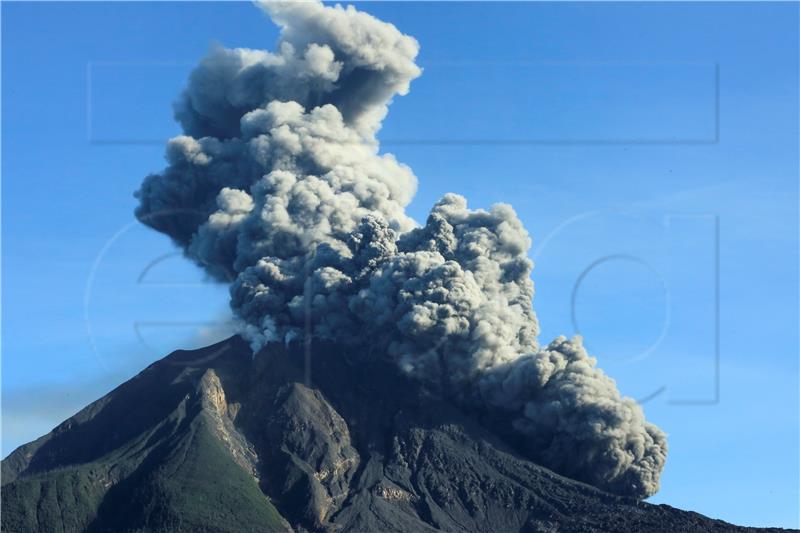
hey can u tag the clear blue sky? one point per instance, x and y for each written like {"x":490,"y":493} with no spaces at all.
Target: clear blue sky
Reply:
{"x":641,"y":133}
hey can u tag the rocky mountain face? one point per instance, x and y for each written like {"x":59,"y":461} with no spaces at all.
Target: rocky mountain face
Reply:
{"x":216,"y":440}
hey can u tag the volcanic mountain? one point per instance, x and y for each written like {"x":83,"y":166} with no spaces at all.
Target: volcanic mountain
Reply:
{"x":296,"y":439}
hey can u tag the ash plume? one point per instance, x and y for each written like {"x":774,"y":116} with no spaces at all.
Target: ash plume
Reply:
{"x":279,"y":188}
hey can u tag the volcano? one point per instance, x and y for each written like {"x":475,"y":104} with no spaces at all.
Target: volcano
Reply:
{"x":296,"y":440}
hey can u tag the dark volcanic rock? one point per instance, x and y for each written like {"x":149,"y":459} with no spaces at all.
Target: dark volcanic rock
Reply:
{"x":214,"y":440}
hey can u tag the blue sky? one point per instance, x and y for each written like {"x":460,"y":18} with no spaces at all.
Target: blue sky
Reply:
{"x":651,"y":151}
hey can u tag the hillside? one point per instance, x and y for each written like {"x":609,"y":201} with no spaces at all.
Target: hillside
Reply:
{"x":214,"y":440}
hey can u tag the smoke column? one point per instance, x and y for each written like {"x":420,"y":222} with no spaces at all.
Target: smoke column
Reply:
{"x":279,"y":188}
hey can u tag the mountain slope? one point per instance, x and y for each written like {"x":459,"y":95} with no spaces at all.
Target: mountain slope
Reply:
{"x":214,"y":440}
{"x":154,"y":454}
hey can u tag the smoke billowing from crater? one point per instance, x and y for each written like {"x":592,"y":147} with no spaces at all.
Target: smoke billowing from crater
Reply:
{"x":279,"y":188}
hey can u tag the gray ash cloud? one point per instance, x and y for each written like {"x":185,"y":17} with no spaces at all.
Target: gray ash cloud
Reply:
{"x":278,"y":187}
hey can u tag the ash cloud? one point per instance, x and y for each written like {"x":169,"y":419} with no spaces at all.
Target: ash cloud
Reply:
{"x":279,"y":188}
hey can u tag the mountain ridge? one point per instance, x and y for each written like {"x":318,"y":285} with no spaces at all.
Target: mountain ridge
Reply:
{"x":218,"y":440}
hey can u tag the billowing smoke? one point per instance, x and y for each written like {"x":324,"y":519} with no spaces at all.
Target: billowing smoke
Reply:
{"x":279,"y":188}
